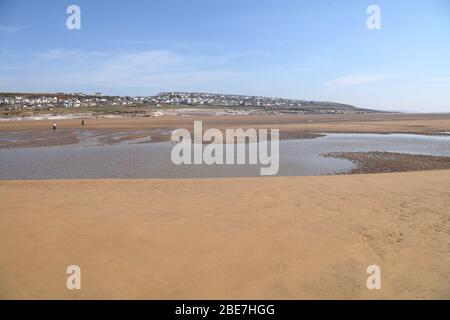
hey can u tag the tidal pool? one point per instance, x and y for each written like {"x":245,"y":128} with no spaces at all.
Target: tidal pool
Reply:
{"x":152,"y":160}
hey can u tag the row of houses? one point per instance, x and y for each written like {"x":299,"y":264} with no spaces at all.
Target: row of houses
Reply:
{"x":76,"y":100}
{"x":62,"y":100}
{"x":192,"y":98}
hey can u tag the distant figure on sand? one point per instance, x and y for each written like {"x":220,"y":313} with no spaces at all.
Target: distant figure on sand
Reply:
{"x":54,"y":126}
{"x":82,"y":122}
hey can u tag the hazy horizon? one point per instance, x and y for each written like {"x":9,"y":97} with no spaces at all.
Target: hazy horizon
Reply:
{"x":288,"y":49}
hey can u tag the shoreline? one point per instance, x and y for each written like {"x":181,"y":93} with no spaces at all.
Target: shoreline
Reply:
{"x":158,"y":129}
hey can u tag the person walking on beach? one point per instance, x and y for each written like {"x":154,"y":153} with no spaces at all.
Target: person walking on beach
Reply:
{"x":82,"y":122}
{"x":54,"y":126}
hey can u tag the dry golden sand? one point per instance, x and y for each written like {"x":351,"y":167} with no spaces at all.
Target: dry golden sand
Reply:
{"x":257,"y":238}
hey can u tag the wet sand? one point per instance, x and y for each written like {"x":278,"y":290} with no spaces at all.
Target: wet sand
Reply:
{"x":249,"y":238}
{"x":38,"y":132}
{"x":374,"y":123}
{"x":382,"y":162}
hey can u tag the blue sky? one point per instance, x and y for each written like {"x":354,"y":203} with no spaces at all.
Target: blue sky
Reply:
{"x":319,"y":50}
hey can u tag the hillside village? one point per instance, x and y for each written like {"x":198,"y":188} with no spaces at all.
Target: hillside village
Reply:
{"x":19,"y":101}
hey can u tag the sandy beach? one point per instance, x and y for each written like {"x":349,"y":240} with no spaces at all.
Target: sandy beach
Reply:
{"x":305,"y":237}
{"x":32,"y":133}
{"x":372,"y":122}
{"x":230,"y":150}
{"x":231,"y":238}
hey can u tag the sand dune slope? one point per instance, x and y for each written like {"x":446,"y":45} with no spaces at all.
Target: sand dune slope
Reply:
{"x":258,"y":238}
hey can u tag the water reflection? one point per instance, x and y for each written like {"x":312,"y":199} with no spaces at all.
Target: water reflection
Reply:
{"x":152,"y":160}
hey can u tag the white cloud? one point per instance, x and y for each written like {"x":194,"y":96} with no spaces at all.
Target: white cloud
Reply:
{"x":152,"y":69}
{"x":145,"y":61}
{"x":74,"y":55}
{"x":437,"y":80}
{"x":169,"y":43}
{"x":351,"y":80}
{"x":10,"y":29}
{"x":105,"y":65}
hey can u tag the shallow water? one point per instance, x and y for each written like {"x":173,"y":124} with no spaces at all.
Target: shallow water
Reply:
{"x":152,"y":160}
